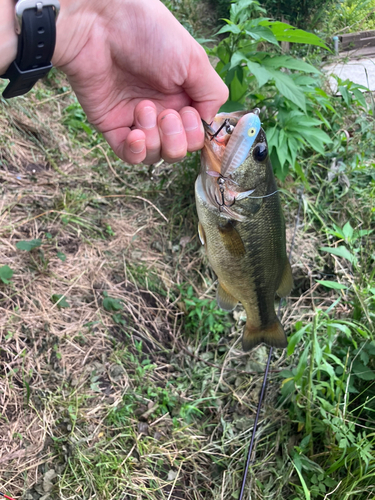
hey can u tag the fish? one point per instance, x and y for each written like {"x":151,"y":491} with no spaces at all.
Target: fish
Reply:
{"x":241,"y":224}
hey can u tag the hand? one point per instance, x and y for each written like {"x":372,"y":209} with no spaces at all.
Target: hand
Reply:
{"x":140,"y":77}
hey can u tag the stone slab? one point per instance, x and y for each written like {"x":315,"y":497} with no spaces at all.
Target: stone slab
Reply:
{"x":354,"y":70}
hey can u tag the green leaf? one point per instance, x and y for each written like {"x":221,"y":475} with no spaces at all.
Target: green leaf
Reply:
{"x":300,"y":173}
{"x":237,"y":59}
{"x":348,"y":231}
{"x":223,"y":53}
{"x":231,"y":106}
{"x":28,"y":245}
{"x":286,"y":86}
{"x":361,"y":371}
{"x":302,"y":363}
{"x":360,"y":97}
{"x":229,"y":77}
{"x":261,"y":33}
{"x":272,"y":134}
{"x":290,"y":63}
{"x":6,"y":274}
{"x":261,"y":74}
{"x":60,"y":300}
{"x":61,"y":256}
{"x":286,"y":33}
{"x":295,"y":121}
{"x":229,"y":28}
{"x":111,"y":304}
{"x":340,"y":251}
{"x":282,"y":151}
{"x":295,"y":338}
{"x":345,"y":94}
{"x":314,"y":136}
{"x":298,"y":466}
{"x":365,"y":358}
{"x":332,"y":284}
{"x":238,"y":90}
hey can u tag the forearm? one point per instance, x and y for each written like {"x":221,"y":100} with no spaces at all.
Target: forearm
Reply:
{"x":8,"y":37}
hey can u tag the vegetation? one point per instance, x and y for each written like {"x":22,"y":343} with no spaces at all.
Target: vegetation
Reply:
{"x":119,"y":377}
{"x":300,"y":13}
{"x":350,"y":16}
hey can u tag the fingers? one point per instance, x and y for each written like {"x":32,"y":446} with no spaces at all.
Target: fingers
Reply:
{"x":145,"y":119}
{"x":179,"y":133}
{"x":129,"y":145}
{"x":168,"y":135}
{"x":193,"y":127}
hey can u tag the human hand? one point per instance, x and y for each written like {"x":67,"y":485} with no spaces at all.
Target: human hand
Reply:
{"x":140,"y":77}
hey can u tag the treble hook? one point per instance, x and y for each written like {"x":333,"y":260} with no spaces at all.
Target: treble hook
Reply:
{"x":221,"y":182}
{"x":210,"y":131}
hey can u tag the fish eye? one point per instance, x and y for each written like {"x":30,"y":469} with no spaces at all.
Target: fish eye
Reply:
{"x":229,"y":128}
{"x":251,"y":132}
{"x":260,"y":152}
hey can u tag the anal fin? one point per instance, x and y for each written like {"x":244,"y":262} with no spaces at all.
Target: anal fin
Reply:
{"x":286,"y":283}
{"x":272,"y":335}
{"x":224,"y":299}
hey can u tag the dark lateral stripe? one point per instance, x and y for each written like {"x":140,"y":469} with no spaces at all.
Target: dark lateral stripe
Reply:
{"x":261,"y":292}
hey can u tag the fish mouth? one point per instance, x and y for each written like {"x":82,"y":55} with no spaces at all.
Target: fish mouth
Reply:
{"x":218,"y":134}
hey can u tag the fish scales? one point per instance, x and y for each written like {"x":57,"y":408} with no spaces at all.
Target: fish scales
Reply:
{"x":245,"y":242}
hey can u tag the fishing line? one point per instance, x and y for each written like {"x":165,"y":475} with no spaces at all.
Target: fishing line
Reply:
{"x":264,"y":196}
{"x":264,"y":383}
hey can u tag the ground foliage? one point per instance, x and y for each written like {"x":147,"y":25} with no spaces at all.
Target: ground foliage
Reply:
{"x":348,"y":16}
{"x":120,"y":378}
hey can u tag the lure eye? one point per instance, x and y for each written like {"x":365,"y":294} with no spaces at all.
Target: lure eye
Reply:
{"x":251,"y":132}
{"x":260,"y":152}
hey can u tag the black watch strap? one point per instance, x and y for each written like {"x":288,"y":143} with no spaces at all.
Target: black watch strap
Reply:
{"x":36,"y":27}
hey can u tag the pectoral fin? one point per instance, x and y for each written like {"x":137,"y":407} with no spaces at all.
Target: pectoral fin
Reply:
{"x":201,"y":234}
{"x":224,"y":299}
{"x":286,"y":283}
{"x":232,"y":240}
{"x":272,"y":335}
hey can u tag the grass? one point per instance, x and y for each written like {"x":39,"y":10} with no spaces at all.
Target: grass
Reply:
{"x":119,"y":377}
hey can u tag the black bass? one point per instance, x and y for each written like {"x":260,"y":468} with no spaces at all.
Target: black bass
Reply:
{"x":241,"y":224}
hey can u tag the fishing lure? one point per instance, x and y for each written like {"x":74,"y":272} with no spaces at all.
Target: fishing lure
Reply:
{"x":225,"y":191}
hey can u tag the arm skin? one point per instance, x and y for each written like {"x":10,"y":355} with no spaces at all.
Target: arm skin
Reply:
{"x":140,"y":77}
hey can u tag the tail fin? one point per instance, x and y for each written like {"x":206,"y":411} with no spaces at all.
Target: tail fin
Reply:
{"x":272,"y":335}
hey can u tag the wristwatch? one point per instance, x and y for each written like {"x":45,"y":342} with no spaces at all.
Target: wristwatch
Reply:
{"x":35,"y":24}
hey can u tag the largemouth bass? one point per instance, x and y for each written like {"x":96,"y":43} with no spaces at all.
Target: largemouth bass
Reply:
{"x":241,"y":224}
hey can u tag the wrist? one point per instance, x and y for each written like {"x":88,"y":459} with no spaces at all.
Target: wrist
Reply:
{"x":82,"y":20}
{"x":76,"y":20}
{"x":8,"y":37}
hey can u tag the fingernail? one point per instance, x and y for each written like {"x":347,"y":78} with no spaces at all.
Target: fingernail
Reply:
{"x":137,"y":146}
{"x":170,"y":124}
{"x":147,"y":117}
{"x":189,"y":121}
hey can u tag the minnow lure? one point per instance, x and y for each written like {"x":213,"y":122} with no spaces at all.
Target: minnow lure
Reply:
{"x":224,"y":192}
